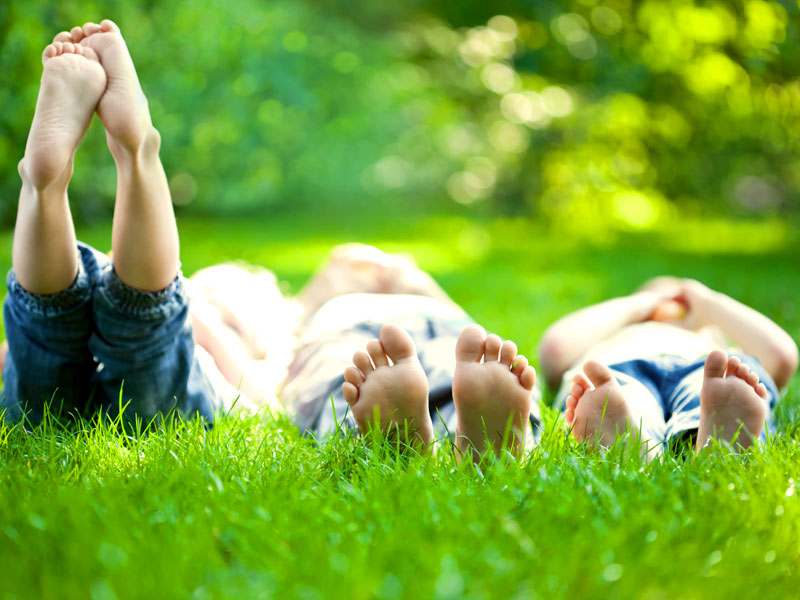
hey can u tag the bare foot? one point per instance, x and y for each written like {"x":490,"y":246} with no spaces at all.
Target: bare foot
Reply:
{"x":492,"y":397}
{"x":72,"y":84}
{"x":388,"y":386}
{"x":733,"y":402}
{"x":123,"y":108}
{"x":597,"y":410}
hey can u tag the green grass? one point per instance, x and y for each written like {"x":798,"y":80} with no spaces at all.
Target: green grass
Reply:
{"x":251,"y":509}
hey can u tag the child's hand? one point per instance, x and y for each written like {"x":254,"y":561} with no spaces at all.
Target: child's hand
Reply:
{"x":686,"y":307}
{"x":656,"y":305}
{"x":680,"y":302}
{"x":696,"y":297}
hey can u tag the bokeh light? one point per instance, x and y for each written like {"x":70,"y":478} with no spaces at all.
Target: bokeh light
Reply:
{"x":611,"y":113}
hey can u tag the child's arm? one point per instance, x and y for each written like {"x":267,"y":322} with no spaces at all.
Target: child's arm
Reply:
{"x":566,"y":340}
{"x":754,"y":333}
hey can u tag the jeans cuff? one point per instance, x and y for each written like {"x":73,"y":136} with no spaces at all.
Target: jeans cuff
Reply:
{"x":75,"y":295}
{"x":139,"y":302}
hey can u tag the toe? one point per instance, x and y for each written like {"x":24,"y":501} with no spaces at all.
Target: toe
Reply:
{"x":90,"y":28}
{"x":761,"y":390}
{"x":507,"y":352}
{"x":76,"y":33}
{"x":492,"y":348}
{"x":577,"y":391}
{"x":58,"y":46}
{"x":733,"y":365}
{"x":362,"y":361}
{"x":62,"y":36}
{"x":528,"y":378}
{"x":350,"y":393}
{"x":715,"y":364}
{"x":109,"y":25}
{"x":49,"y":52}
{"x":377,"y":354}
{"x":519,"y":364}
{"x":68,"y":48}
{"x":752,"y":379}
{"x":743,"y":372}
{"x":469,"y":346}
{"x":598,"y":373}
{"x":397,"y":343}
{"x":572,"y":402}
{"x":582,"y":381}
{"x":569,"y":416}
{"x":353,"y":375}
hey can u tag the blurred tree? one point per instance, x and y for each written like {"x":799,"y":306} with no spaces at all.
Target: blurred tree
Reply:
{"x":583,"y":111}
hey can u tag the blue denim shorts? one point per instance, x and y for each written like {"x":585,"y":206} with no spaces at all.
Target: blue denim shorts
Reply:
{"x":664,"y":393}
{"x":100,"y":344}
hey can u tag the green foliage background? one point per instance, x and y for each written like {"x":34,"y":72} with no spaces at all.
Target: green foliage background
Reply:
{"x":582,"y":111}
{"x":672,"y":124}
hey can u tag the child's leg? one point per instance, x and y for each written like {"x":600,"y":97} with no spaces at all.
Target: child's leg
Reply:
{"x":44,"y":253}
{"x":142,"y":336}
{"x":145,"y":237}
{"x":48,"y":308}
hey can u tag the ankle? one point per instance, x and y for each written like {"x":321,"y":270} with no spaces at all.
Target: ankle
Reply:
{"x":135,"y":149}
{"x":45,"y":174}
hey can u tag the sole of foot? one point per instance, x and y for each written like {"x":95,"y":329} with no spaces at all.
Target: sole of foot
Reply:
{"x":387,"y":387}
{"x":492,"y":390}
{"x":123,"y":108}
{"x":597,"y":410}
{"x":733,"y":402}
{"x":73,"y":82}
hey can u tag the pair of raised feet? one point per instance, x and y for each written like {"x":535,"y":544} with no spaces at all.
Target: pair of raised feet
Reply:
{"x":732,"y":404}
{"x":492,"y":389}
{"x":86,"y":69}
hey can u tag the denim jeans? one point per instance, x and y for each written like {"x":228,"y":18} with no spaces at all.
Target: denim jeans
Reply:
{"x":102,"y":344}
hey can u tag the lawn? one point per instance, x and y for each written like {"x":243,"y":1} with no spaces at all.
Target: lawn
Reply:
{"x":251,"y":509}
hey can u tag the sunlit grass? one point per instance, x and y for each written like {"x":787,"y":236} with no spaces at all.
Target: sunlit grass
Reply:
{"x":252,"y":509}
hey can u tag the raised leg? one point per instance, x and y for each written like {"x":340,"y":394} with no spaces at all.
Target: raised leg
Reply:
{"x":44,"y":253}
{"x":144,"y":237}
{"x":47,"y":311}
{"x":140,"y":308}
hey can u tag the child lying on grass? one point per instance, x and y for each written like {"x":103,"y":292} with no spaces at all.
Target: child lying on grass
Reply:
{"x":78,"y":326}
{"x":428,"y":369}
{"x":374,"y":333}
{"x":85,"y":332}
{"x":672,"y":361}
